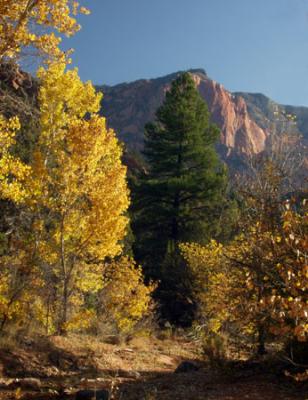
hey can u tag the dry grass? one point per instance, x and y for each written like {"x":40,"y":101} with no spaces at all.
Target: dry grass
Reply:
{"x":141,"y":369}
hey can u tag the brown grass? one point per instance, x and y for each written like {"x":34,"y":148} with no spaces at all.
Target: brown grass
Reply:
{"x":141,"y":369}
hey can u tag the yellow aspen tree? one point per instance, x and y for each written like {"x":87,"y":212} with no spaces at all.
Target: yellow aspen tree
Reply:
{"x":289,"y":300}
{"x":27,"y":27}
{"x":13,"y":172}
{"x":79,"y":186}
{"x":219,"y":289}
{"x":23,"y":26}
{"x":16,"y":255}
{"x":125,"y":299}
{"x":259,"y":280}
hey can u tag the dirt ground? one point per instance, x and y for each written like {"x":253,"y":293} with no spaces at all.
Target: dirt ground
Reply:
{"x":143,"y":369}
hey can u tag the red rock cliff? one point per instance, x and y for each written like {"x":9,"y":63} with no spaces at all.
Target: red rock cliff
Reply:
{"x":129,"y":106}
{"x":230,"y":113}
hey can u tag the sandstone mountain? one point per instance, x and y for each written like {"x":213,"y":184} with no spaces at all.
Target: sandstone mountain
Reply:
{"x":247,"y":121}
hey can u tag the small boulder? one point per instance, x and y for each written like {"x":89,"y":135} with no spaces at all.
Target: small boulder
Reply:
{"x":129,"y":374}
{"x":187,"y":366}
{"x":165,"y":360}
{"x":31,"y":383}
{"x":92,"y":395}
{"x":5,"y":382}
{"x":26,"y":383}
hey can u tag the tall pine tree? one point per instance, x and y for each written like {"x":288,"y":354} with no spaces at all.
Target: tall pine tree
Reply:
{"x":181,"y":195}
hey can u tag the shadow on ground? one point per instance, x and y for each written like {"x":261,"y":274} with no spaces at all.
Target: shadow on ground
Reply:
{"x":51,"y":372}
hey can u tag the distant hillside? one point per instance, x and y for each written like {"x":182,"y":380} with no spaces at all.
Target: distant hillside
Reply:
{"x":262,"y":109}
{"x":246,"y":120}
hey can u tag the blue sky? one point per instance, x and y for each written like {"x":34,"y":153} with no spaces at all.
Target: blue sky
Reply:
{"x":247,"y":45}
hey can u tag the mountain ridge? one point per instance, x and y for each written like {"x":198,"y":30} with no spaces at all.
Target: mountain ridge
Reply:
{"x":245,"y":119}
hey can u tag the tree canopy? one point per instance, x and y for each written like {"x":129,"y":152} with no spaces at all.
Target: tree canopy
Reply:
{"x":181,"y":195}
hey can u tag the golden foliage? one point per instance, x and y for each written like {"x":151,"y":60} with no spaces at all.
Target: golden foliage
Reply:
{"x":218,"y":288}
{"x":125,"y":298}
{"x":13,"y":172}
{"x":79,"y":178}
{"x":20,"y":282}
{"x":31,"y":24}
{"x":289,"y":300}
{"x":73,"y":198}
{"x":259,"y":279}
{"x":79,"y":160}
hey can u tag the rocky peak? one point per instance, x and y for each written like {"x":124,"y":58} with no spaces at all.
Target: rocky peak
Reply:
{"x":238,"y":130}
{"x":129,"y":106}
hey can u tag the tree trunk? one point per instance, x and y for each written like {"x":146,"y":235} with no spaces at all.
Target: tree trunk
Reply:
{"x":65,"y":282}
{"x":261,"y":340}
{"x":175,"y":224}
{"x":63,"y":329}
{"x":3,"y":322}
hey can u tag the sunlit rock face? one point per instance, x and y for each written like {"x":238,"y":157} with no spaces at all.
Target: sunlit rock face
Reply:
{"x":238,"y":130}
{"x":245,"y":120}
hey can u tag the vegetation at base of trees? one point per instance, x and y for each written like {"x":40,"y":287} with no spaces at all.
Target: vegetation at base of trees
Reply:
{"x":257,"y":283}
{"x":125,"y":298}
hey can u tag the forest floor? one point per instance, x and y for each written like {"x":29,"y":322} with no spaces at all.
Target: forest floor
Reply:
{"x":143,"y":369}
